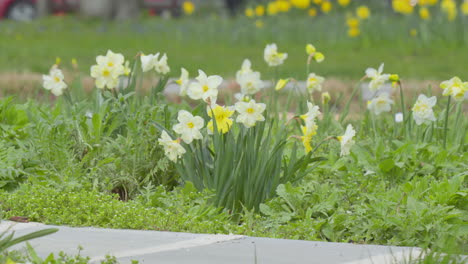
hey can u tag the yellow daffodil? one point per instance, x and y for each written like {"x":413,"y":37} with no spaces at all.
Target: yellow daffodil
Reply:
{"x":312,"y":12}
{"x":249,"y":12}
{"x":310,"y":49}
{"x":259,"y":10}
{"x":363,"y":12}
{"x":464,"y":8}
{"x":222,"y":116}
{"x":352,"y":22}
{"x":318,"y":2}
{"x":307,"y":134}
{"x":395,"y":79}
{"x":272,"y":9}
{"x":413,"y":32}
{"x":188,"y":7}
{"x":402,"y":6}
{"x":283,"y":5}
{"x":302,"y":4}
{"x":354,"y":32}
{"x":424,"y":13}
{"x":319,"y":57}
{"x":344,"y":3}
{"x":326,"y":7}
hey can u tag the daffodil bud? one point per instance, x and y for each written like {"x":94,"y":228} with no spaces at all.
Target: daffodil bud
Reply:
{"x":319,"y":57}
{"x":394,"y":78}
{"x":310,"y":49}
{"x":325,"y":98}
{"x":281,"y":84}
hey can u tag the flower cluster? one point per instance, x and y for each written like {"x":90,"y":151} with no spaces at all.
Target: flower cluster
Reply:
{"x":109,"y":69}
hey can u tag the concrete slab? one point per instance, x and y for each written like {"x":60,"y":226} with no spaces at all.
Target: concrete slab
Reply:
{"x":170,"y":247}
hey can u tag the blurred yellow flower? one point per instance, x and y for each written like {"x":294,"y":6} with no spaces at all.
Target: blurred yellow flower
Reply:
{"x":188,"y":7}
{"x":354,"y":32}
{"x":326,"y":7}
{"x":260,"y":10}
{"x":308,"y":132}
{"x":413,"y":32}
{"x":318,"y":2}
{"x":344,"y":2}
{"x":259,"y":23}
{"x":464,"y":8}
{"x":74,"y":63}
{"x":302,"y":4}
{"x":402,"y":6}
{"x":326,"y":98}
{"x":450,"y":8}
{"x":249,"y":12}
{"x":312,"y":12}
{"x":424,"y":13}
{"x":272,"y":8}
{"x":57,"y":61}
{"x":352,"y":22}
{"x":363,"y":12}
{"x":283,"y":5}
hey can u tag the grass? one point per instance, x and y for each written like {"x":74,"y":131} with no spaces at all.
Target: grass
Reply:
{"x":219,"y":45}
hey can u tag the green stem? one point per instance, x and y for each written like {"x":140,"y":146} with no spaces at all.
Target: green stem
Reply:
{"x":346,"y":108}
{"x":402,"y":102}
{"x":446,"y":121}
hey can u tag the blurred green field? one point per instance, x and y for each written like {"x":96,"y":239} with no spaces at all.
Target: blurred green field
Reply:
{"x":219,"y":45}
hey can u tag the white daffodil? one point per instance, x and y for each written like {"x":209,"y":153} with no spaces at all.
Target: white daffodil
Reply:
{"x":380,"y":104}
{"x":314,"y":82}
{"x":114,"y":61}
{"x":105,"y":77}
{"x":377,"y":78}
{"x":172,"y":148}
{"x":189,"y":126}
{"x":312,"y":113}
{"x":422,"y":110}
{"x":54,"y":81}
{"x":205,"y":88}
{"x":347,"y":140}
{"x":108,"y":70}
{"x":161,"y":66}
{"x":399,"y":117}
{"x":272,"y":56}
{"x":245,"y":68}
{"x":148,"y":62}
{"x":249,"y":113}
{"x":250,"y":83}
{"x":454,"y":87}
{"x":183,"y":82}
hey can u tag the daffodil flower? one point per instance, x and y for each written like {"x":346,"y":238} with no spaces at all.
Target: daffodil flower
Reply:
{"x":172,"y":148}
{"x":380,"y":104}
{"x":222,"y":116}
{"x":108,"y":70}
{"x":250,"y":83}
{"x":347,"y":140}
{"x":377,"y":77}
{"x":205,"y":88}
{"x":249,"y":113}
{"x":189,"y":126}
{"x":54,"y":81}
{"x":273,"y":57}
{"x":314,"y":82}
{"x":183,"y":81}
{"x":312,"y":113}
{"x":281,"y":84}
{"x":454,"y":87}
{"x":422,"y":110}
{"x":308,"y":131}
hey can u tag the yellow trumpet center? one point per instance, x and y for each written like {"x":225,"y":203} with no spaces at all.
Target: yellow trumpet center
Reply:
{"x":190,"y":125}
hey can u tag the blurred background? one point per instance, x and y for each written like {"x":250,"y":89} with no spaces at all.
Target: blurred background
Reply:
{"x":422,"y":40}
